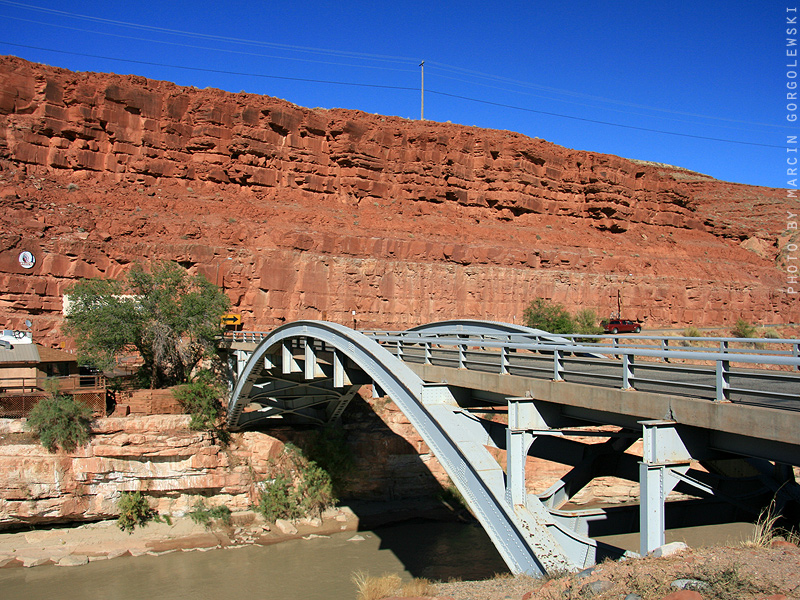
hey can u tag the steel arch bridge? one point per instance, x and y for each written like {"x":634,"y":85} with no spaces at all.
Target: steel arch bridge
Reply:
{"x":307,"y":372}
{"x":336,"y":361}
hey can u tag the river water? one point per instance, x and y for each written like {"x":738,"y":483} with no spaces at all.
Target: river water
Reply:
{"x":314,"y":569}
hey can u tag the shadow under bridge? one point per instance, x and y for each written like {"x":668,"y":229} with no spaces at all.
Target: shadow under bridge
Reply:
{"x":308,"y":371}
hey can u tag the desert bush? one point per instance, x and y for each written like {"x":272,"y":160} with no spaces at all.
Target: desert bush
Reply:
{"x":60,"y":422}
{"x":205,"y":515}
{"x":328,"y":448}
{"x":134,"y":510}
{"x":298,"y":487}
{"x":743,"y":329}
{"x":554,"y":318}
{"x":771,"y":334}
{"x":585,"y":321}
{"x":548,"y":316}
{"x":202,"y":400}
{"x":691,"y":331}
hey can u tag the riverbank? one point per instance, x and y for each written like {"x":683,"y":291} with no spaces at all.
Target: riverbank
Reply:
{"x":744,"y":571}
{"x":103,"y":540}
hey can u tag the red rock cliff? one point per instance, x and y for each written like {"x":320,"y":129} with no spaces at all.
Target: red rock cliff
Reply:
{"x":311,"y":213}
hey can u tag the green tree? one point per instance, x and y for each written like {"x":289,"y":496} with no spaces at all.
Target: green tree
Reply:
{"x":548,"y":316}
{"x":166,"y":315}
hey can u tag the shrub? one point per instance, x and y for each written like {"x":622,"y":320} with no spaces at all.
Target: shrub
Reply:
{"x":772,"y":334}
{"x":549,"y":316}
{"x":60,"y":422}
{"x":328,"y":448}
{"x":134,"y":510}
{"x":276,"y":499}
{"x":586,"y":322}
{"x":202,"y":399}
{"x":298,"y":487}
{"x":743,"y":329}
{"x":205,"y":515}
{"x":691,"y":331}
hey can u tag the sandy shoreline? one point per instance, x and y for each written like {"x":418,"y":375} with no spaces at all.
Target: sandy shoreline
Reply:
{"x":80,"y":544}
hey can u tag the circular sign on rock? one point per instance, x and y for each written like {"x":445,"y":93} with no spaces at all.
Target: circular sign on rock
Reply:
{"x":27,"y":260}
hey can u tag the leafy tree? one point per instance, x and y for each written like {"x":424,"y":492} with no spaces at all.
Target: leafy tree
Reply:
{"x":60,"y":421}
{"x":549,"y":316}
{"x":169,"y":317}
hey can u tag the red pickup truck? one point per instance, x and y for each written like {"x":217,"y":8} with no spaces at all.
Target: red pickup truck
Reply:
{"x":622,"y":326}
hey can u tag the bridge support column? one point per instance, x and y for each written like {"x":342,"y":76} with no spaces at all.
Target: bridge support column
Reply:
{"x":523,"y":422}
{"x":665,"y":461}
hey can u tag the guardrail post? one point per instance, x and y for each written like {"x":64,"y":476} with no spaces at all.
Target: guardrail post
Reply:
{"x":723,"y":381}
{"x":558,"y":365}
{"x":665,"y":348}
{"x":399,"y":347}
{"x":462,"y":356}
{"x":627,"y":371}
{"x":504,"y":360}
{"x":796,"y":353}
{"x":428,"y":353}
{"x":723,"y":346}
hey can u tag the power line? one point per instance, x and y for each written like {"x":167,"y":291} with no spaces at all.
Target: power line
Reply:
{"x":63,"y":13}
{"x":625,"y":112}
{"x":362,"y":56}
{"x":552,"y":114}
{"x":402,"y":88}
{"x":553,"y":90}
{"x":196,"y":47}
{"x":218,"y":71}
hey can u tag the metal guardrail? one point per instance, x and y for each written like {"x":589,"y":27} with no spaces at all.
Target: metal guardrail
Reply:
{"x":548,"y":360}
{"x":627,"y":362}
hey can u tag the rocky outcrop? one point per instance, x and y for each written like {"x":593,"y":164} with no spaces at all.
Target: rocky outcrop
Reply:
{"x":175,"y":466}
{"x":311,"y":213}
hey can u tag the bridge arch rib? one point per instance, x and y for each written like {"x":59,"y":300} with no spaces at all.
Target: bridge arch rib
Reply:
{"x":528,"y":537}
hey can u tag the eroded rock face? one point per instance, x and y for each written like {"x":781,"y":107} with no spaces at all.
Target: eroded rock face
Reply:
{"x":174,"y":466}
{"x":303,"y":213}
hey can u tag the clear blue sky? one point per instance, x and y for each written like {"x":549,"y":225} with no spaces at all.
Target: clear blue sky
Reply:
{"x":587,"y":75}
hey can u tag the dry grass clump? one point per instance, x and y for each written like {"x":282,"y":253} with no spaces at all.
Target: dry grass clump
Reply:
{"x":375,"y":588}
{"x":766,"y":530}
{"x":418,"y":587}
{"x":390,"y":584}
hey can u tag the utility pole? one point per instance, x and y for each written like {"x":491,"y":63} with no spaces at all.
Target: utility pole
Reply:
{"x":422,"y":91}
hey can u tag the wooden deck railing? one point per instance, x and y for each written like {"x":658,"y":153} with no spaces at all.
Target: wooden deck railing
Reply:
{"x":18,"y":395}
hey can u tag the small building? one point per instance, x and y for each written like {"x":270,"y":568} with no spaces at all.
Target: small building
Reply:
{"x":30,"y":372}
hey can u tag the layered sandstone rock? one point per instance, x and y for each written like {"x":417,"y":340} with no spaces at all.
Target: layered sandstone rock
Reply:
{"x":175,"y":466}
{"x":310,"y":213}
